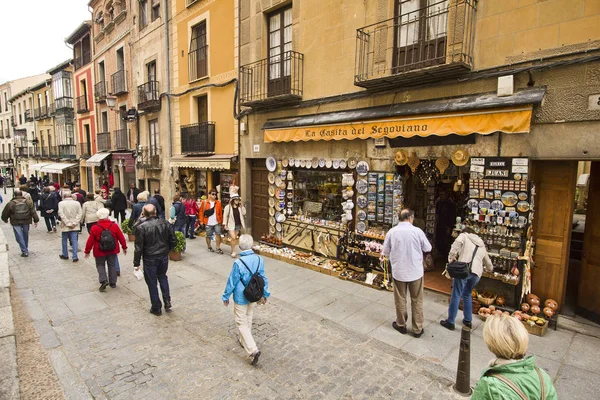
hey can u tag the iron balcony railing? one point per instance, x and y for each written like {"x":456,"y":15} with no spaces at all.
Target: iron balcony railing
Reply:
{"x":198,"y":138}
{"x":121,"y":139}
{"x":28,"y":116}
{"x":63,"y":103}
{"x":419,"y":45}
{"x":51,"y":109}
{"x":83,"y":59}
{"x":85,"y":150}
{"x":119,"y":82}
{"x":148,"y":96}
{"x":100,"y":91}
{"x":198,"y":63}
{"x":67,"y":151}
{"x":103,"y":141}
{"x":21,"y":151}
{"x":274,"y":80}
{"x":45,"y":151}
{"x":40,"y":113}
{"x":82,"y":104}
{"x":151,"y":157}
{"x":35,"y":151}
{"x":5,"y":156}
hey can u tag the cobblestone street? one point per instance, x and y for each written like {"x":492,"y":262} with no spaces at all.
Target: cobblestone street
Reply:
{"x":320,"y":337}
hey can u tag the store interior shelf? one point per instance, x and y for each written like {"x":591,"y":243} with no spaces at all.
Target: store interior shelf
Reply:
{"x":370,"y":253}
{"x":501,"y":279}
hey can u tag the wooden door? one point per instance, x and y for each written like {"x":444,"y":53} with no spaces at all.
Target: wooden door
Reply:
{"x":260,"y":200}
{"x":589,"y":293}
{"x":555,"y":186}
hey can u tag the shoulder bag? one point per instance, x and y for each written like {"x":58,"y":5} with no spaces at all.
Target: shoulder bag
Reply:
{"x":461,"y":269}
{"x":519,"y":392}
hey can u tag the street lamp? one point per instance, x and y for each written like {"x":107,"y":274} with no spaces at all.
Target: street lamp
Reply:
{"x":111,"y":102}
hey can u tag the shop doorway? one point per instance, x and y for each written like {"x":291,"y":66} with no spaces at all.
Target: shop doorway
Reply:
{"x":582,"y":297}
{"x":260,"y":199}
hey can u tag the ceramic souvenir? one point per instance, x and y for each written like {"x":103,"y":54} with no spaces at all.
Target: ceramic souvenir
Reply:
{"x":297,"y":163}
{"x":352,"y":162}
{"x":291,"y":161}
{"x":509,"y":199}
{"x":271,"y":202}
{"x":328,"y":163}
{"x":322,"y":163}
{"x":362,"y":168}
{"x":271,"y":211}
{"x":315,"y":162}
{"x":271,"y":190}
{"x":284,"y":162}
{"x":343,"y":164}
{"x":271,"y":163}
{"x":522,"y":196}
{"x":361,"y":226}
{"x":362,"y":186}
{"x":303,"y":163}
{"x":361,"y":215}
{"x":497,"y":205}
{"x":336,"y":164}
{"x":523,"y":206}
{"x":473,"y":203}
{"x":361,"y":201}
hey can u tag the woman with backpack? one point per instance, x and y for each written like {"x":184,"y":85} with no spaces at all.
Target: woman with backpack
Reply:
{"x":467,"y":248}
{"x":104,"y":240}
{"x":49,"y":207}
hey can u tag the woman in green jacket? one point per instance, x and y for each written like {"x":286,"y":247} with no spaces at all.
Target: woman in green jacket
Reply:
{"x":511,"y":375}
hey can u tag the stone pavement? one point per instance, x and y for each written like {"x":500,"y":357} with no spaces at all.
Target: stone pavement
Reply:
{"x":321,"y":337}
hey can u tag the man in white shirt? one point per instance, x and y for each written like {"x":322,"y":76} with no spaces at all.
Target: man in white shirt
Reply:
{"x":404,"y":245}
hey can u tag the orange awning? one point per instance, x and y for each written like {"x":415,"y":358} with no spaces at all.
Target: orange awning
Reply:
{"x":484,"y":122}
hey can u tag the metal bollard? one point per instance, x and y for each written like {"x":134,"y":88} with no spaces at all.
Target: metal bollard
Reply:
{"x":463,"y":371}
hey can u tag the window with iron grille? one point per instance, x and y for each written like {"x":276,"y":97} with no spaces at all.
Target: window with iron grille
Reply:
{"x":155,"y":10}
{"x":143,"y":13}
{"x":198,"y":54}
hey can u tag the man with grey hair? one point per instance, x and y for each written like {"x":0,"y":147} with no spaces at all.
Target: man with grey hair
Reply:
{"x":404,"y":245}
{"x":105,"y":237}
{"x":153,"y":240}
{"x":20,"y":212}
{"x":242,"y":271}
{"x":69,"y":211}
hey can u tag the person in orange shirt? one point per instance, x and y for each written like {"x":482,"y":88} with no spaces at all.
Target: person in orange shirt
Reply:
{"x":211,"y":216}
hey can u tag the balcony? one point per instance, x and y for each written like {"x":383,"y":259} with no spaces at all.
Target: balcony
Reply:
{"x":148,"y":97}
{"x":45,"y":151}
{"x":103,"y":141}
{"x":198,"y":139}
{"x":64,"y":103}
{"x":28,"y":116}
{"x":85,"y":150}
{"x":67,"y":151}
{"x":273,"y":81}
{"x":119,"y":83}
{"x":5,"y":156}
{"x":40,"y":113}
{"x":151,"y":158}
{"x":419,"y":46}
{"x":100,"y":91}
{"x":51,"y":109}
{"x":83,"y":59}
{"x":21,"y":151}
{"x":82,"y":106}
{"x":198,"y":63}
{"x":121,"y":139}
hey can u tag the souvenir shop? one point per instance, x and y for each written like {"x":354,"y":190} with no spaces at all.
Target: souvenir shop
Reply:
{"x":196,"y":178}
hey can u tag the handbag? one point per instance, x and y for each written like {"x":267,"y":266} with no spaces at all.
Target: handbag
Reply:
{"x":208,"y":213}
{"x":461,"y":269}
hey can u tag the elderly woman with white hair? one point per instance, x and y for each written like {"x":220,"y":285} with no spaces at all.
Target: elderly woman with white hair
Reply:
{"x":511,"y":375}
{"x":243,"y":269}
{"x":105,"y":238}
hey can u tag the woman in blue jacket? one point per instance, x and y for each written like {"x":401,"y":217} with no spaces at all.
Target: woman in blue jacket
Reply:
{"x":242,"y":271}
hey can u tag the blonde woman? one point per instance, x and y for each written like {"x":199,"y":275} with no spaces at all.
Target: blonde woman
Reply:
{"x":511,"y":375}
{"x":233,"y":220}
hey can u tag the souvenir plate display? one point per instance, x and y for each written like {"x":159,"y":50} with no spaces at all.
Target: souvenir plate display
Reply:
{"x":509,"y":199}
{"x":362,"y":168}
{"x":322,"y":163}
{"x":362,"y":186}
{"x":271,"y":190}
{"x":361,"y":215}
{"x":297,"y":163}
{"x":361,"y":201}
{"x":284,"y":162}
{"x":272,"y":200}
{"x":352,"y":162}
{"x":328,"y":163}
{"x":343,"y":164}
{"x":271,"y":164}
{"x":336,"y":164}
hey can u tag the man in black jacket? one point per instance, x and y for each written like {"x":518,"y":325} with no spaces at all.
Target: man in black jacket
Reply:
{"x":161,"y":203}
{"x":154,"y":238}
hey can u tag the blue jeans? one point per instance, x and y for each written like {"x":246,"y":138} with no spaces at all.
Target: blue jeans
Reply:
{"x":156,"y":269}
{"x":73,"y":236}
{"x":118,"y":266}
{"x":22,"y":237}
{"x":462,"y":288}
{"x":190,"y":224}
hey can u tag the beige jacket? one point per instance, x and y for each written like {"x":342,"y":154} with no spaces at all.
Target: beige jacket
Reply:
{"x":88,"y":211}
{"x":462,"y":250}
{"x":70,"y":214}
{"x":229,"y":219}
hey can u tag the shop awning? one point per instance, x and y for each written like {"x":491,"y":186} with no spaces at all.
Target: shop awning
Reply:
{"x":96,"y":159}
{"x":465,"y":115}
{"x":37,"y":167}
{"x":215,"y":164}
{"x":56,"y":168}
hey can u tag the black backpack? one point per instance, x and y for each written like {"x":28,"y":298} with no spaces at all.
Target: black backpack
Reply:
{"x":255,"y":289}
{"x":107,"y":240}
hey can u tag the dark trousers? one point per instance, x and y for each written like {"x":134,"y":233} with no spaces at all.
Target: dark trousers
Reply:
{"x":50,"y":222}
{"x":156,"y":270}
{"x":89,"y":225}
{"x":190,"y":222}
{"x":101,"y":264}
{"x":121,"y":213}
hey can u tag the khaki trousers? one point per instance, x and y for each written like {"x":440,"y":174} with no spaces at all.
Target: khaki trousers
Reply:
{"x":243,"y":320}
{"x":415,"y":289}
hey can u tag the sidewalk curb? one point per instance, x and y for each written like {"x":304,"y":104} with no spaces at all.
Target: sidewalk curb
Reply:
{"x":9,"y":375}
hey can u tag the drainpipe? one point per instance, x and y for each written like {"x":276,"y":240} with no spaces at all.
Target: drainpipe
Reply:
{"x":167,"y":75}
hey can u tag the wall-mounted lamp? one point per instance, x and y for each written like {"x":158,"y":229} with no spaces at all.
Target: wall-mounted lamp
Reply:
{"x":111,"y":102}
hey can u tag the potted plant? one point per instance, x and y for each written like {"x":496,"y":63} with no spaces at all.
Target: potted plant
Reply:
{"x":175,"y":254}
{"x":127,"y":230}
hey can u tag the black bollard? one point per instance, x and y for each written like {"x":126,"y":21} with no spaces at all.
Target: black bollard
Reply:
{"x":463,"y":372}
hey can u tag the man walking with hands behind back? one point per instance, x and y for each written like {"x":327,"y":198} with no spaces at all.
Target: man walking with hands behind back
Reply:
{"x":404,"y":245}
{"x":153,"y":240}
{"x":70,"y":212}
{"x":20,"y":212}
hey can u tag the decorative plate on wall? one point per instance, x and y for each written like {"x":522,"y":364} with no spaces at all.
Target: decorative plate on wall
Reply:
{"x":328,"y":163}
{"x":322,"y":163}
{"x":352,"y":162}
{"x":271,"y":163}
{"x":361,"y":201}
{"x":271,"y":202}
{"x":361,"y":215}
{"x":336,"y":164}
{"x":362,"y":186}
{"x":271,"y":177}
{"x":343,"y":164}
{"x":362,"y":168}
{"x":297,"y":163}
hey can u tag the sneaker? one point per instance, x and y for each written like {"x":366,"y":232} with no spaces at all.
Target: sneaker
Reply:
{"x":63,"y":257}
{"x":168,"y":306}
{"x":418,"y":335}
{"x":233,"y":255}
{"x":113,"y":285}
{"x":219,"y":251}
{"x":24,"y":255}
{"x":447,"y":324}
{"x":103,"y":286}
{"x":75,"y":259}
{"x":402,"y":330}
{"x":155,"y":312}
{"x":467,"y":324}
{"x":211,"y":250}
{"x":255,"y":357}
{"x":54,"y":229}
